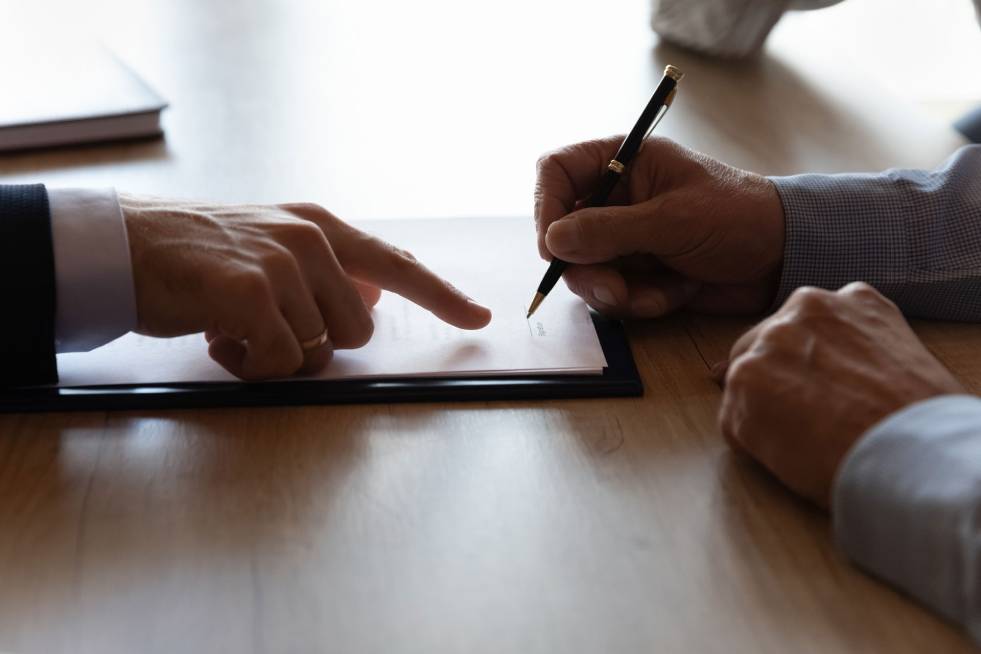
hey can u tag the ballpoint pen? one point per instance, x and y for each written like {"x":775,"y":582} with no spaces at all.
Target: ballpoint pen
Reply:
{"x":649,"y":118}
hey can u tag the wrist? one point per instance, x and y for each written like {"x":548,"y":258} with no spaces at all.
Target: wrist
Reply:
{"x":134,"y":221}
{"x":765,"y":212}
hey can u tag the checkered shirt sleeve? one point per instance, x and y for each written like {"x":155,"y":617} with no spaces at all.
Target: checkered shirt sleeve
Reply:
{"x":914,"y":235}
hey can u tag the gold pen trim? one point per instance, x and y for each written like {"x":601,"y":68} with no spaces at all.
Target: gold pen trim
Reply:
{"x":673,"y":72}
{"x":615,"y":166}
{"x":539,"y":298}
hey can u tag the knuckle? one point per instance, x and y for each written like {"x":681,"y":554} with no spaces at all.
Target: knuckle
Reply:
{"x":250,"y":284}
{"x":737,"y":372}
{"x":779,"y":332}
{"x":403,"y":260}
{"x":354,"y":332}
{"x":866,"y":293}
{"x":744,"y":371}
{"x":808,"y":294}
{"x":278,"y":261}
{"x":305,"y":237}
{"x":731,"y":415}
{"x":229,"y":328}
{"x":859,"y":288}
{"x":602,"y":149}
{"x":362,"y":333}
{"x":310,"y":208}
{"x":547,"y":160}
{"x":810,"y":300}
{"x":727,"y":419}
{"x":306,"y":231}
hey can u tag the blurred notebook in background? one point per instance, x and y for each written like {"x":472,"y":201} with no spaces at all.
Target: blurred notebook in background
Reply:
{"x":62,"y":94}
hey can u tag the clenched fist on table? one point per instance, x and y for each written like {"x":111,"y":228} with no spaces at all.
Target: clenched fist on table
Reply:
{"x":806,"y":383}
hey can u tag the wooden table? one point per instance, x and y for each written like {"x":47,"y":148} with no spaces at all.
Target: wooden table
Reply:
{"x":567,"y":526}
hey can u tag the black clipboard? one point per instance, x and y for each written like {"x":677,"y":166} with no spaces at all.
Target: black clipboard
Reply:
{"x":619,"y":379}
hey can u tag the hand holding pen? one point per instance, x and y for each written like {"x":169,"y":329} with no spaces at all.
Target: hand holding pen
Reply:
{"x":681,"y":230}
{"x":615,"y":168}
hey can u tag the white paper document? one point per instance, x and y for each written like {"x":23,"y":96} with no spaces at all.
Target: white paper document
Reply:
{"x":495,"y":261}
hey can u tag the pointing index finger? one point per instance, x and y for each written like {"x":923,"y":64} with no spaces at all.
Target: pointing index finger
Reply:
{"x":376,"y":262}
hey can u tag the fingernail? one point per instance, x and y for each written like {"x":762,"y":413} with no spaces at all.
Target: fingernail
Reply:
{"x":604,"y":295}
{"x":463,"y":296}
{"x":476,"y":307}
{"x":562,"y":236}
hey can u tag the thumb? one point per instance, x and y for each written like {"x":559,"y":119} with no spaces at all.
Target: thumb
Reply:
{"x":598,"y":234}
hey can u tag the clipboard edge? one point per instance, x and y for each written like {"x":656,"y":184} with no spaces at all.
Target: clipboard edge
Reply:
{"x":619,"y":379}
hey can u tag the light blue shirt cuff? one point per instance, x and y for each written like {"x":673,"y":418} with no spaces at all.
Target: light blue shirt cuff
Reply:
{"x":96,"y":300}
{"x":907,"y":505}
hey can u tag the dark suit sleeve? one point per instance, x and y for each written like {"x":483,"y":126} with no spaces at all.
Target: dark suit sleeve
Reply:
{"x":27,"y":287}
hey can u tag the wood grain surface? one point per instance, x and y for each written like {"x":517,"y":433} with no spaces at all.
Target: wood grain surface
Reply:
{"x":568,"y":526}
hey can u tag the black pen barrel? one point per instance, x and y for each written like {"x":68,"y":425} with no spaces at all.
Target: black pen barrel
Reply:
{"x":552,"y":275}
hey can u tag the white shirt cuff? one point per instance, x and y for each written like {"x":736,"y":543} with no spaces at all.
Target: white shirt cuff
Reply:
{"x":96,"y":299}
